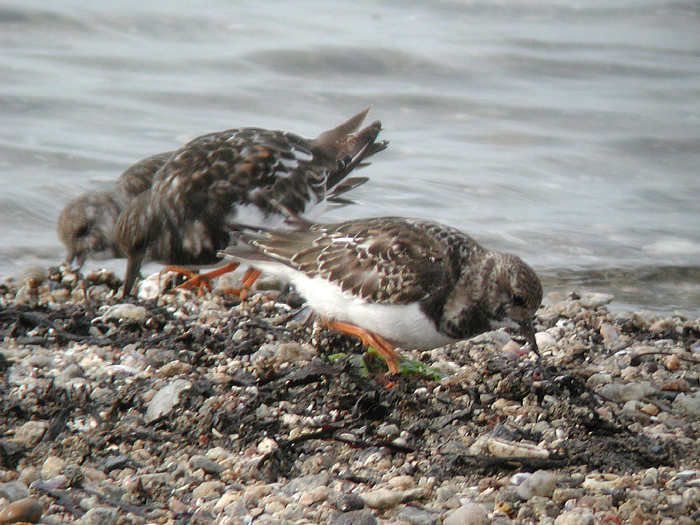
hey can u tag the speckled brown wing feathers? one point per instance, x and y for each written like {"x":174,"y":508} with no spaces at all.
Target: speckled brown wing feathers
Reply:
{"x":204,"y":182}
{"x":205,"y":186}
{"x":381,"y":260}
{"x":461,"y":288}
{"x":209,"y":176}
{"x":139,"y":177}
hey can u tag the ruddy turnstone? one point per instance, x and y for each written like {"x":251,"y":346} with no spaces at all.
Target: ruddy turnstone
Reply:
{"x":394,"y":281}
{"x":241,"y":175}
{"x":86,"y":224}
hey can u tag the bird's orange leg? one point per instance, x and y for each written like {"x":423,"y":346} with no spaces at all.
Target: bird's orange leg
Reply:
{"x":201,"y":280}
{"x":249,"y":277}
{"x":376,"y":341}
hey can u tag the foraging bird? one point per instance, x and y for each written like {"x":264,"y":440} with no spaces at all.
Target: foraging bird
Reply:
{"x":86,"y":224}
{"x":242,"y":174}
{"x":396,"y":282}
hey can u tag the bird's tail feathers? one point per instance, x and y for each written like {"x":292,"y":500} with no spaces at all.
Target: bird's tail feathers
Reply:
{"x":328,"y":140}
{"x":257,"y":244}
{"x":347,"y":147}
{"x":355,"y":152}
{"x":343,"y":187}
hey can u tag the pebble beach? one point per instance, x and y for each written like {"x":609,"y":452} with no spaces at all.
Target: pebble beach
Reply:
{"x":179,"y":408}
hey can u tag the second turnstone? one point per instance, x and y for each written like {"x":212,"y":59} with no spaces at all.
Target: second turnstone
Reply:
{"x":241,"y":175}
{"x":86,"y":224}
{"x":394,"y":281}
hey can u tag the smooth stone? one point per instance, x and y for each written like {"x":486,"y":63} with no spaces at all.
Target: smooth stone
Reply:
{"x":40,"y":358}
{"x":609,"y":334}
{"x":26,"y":510}
{"x":575,"y":517}
{"x":563,"y":495}
{"x":382,"y":498}
{"x":595,"y":299}
{"x":498,"y":337}
{"x":160,"y":356}
{"x":651,"y":477}
{"x":206,"y":464}
{"x":314,"y":496}
{"x":445,"y":493}
{"x":99,"y":516}
{"x":417,"y":516}
{"x":599,"y":379}
{"x":154,"y":285}
{"x":13,"y":490}
{"x":385,"y":498}
{"x":115,"y":462}
{"x":651,"y":495}
{"x":31,"y":432}
{"x":267,"y":446}
{"x":121,"y":311}
{"x":631,"y":408}
{"x":237,"y":510}
{"x":174,"y":368}
{"x":208,"y":490}
{"x":307,"y":482}
{"x":278,"y":353}
{"x":252,"y":495}
{"x":349,"y":502}
{"x":402,"y":482}
{"x":52,"y":467}
{"x":388,"y":430}
{"x":691,"y":499}
{"x":688,"y":403}
{"x":274,"y":507}
{"x":28,"y":475}
{"x":454,"y":447}
{"x":57,"y":482}
{"x":541,"y":483}
{"x":545,"y":340}
{"x":70,"y":372}
{"x":467,"y":514}
{"x":502,"y":448}
{"x":355,"y":517}
{"x":538,"y":508}
{"x":227,"y":498}
{"x":621,"y":392}
{"x":165,"y":399}
{"x":567,"y":308}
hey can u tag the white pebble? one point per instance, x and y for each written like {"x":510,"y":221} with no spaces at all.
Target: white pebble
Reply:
{"x":467,"y":514}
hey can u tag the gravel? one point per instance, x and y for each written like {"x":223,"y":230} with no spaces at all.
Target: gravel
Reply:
{"x":200,"y":409}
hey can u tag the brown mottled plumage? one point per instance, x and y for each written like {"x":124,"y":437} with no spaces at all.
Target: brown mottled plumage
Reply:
{"x":86,"y":224}
{"x":242,"y":174}
{"x":411,"y":282}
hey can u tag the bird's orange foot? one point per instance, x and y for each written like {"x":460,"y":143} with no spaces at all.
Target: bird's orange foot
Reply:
{"x":383,"y":347}
{"x":201,"y":281}
{"x":247,"y":282}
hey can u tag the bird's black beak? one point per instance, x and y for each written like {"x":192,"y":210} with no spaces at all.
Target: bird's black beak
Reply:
{"x":529,"y":333}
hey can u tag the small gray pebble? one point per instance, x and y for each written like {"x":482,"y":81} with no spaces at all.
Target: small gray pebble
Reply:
{"x":355,"y":517}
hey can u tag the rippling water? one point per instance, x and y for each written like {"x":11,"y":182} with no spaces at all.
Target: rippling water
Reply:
{"x":567,"y":132}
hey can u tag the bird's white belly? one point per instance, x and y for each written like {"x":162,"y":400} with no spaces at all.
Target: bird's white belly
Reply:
{"x":403,"y":325}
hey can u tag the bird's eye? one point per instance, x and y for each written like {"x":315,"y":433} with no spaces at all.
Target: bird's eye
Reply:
{"x":518,"y":300}
{"x":82,"y":231}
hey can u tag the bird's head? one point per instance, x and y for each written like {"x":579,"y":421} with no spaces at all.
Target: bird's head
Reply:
{"x":86,"y":226}
{"x":521,"y":288}
{"x":518,"y":294}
